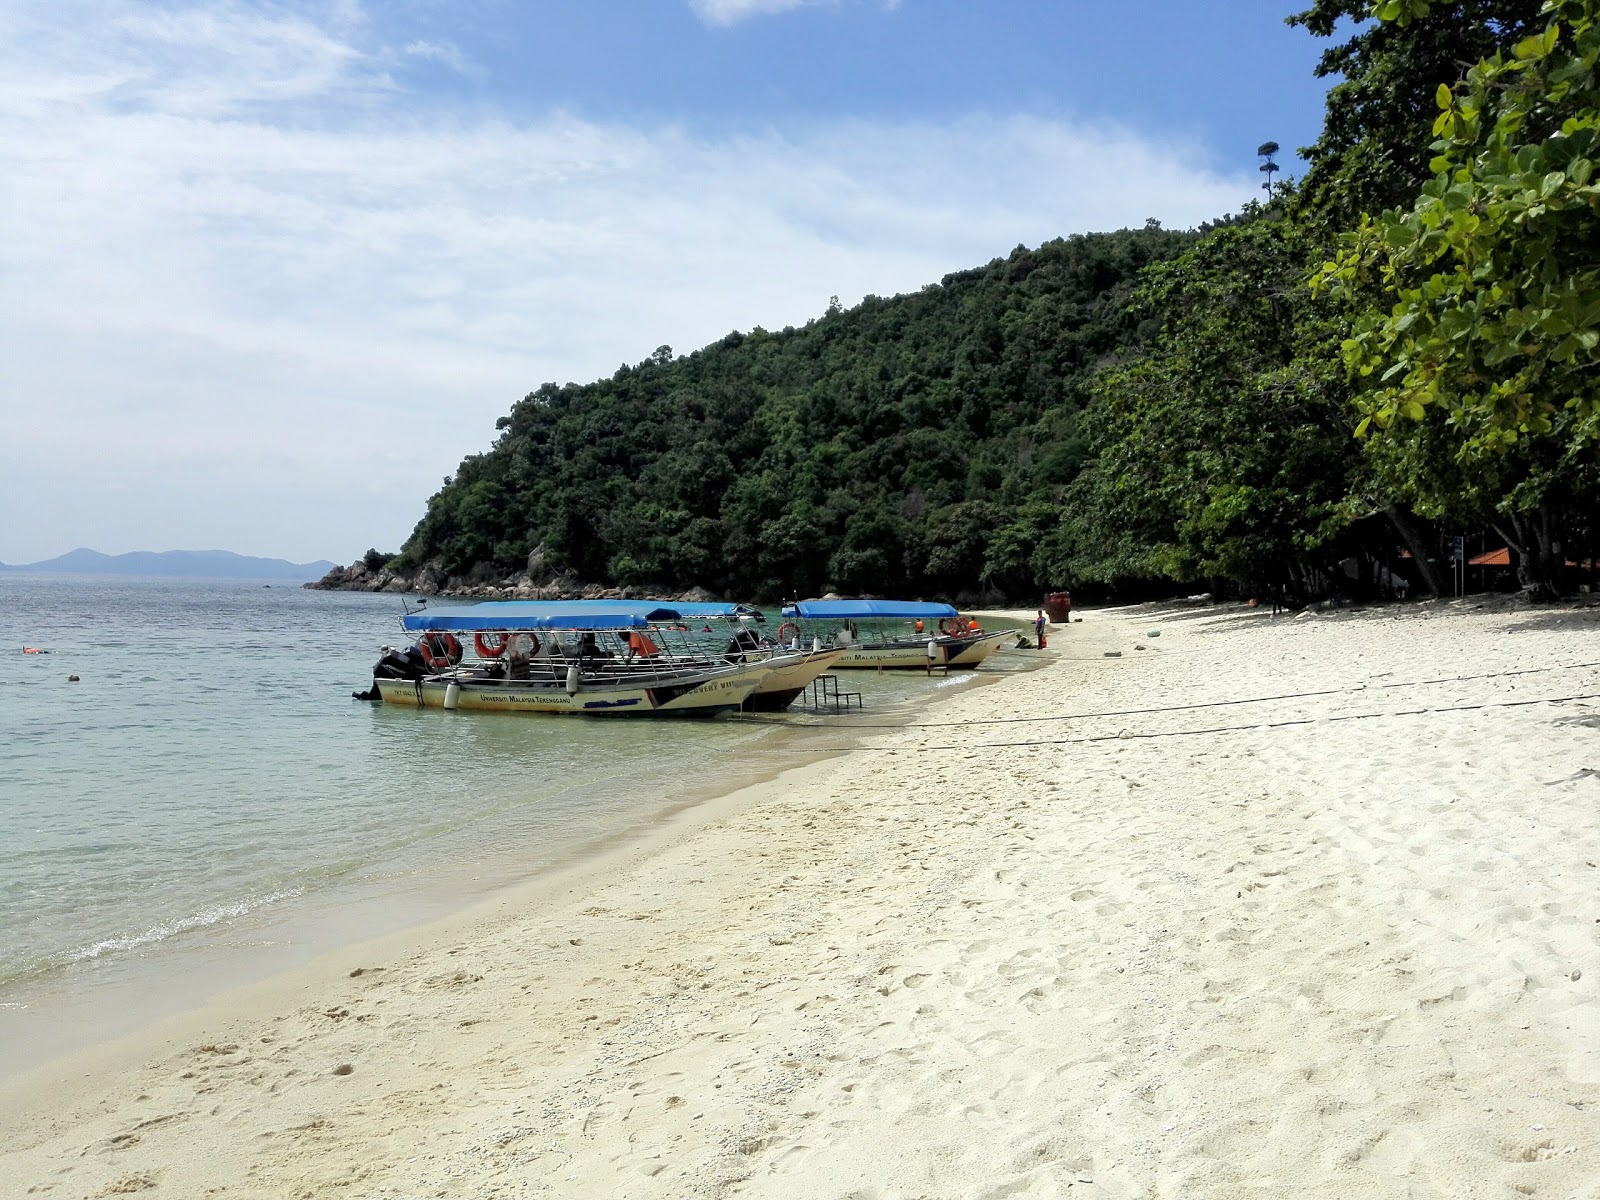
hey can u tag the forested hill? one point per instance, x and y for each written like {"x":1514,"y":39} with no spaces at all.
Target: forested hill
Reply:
{"x":918,"y":445}
{"x":1335,"y":393}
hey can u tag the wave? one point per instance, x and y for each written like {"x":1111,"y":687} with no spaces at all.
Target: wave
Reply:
{"x":121,"y":943}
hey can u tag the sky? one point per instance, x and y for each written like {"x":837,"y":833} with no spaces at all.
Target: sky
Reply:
{"x":268,"y":271}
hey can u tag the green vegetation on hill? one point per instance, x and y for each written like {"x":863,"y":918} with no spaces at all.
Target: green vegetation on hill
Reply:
{"x":1401,"y":348}
{"x":918,"y":444}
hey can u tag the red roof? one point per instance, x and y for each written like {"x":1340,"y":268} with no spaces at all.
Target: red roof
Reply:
{"x":1494,"y":558}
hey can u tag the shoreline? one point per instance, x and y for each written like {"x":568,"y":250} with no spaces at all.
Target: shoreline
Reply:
{"x":1301,"y":907}
{"x":433,"y":907}
{"x":216,"y":1018}
{"x":81,"y":1005}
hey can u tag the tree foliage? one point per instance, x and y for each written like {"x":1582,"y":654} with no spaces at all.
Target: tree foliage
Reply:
{"x":1372,"y":152}
{"x":1223,"y":450}
{"x":908,"y":445}
{"x":1493,"y":333}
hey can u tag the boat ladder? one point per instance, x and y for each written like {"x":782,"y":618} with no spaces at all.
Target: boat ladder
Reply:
{"x":826,"y":694}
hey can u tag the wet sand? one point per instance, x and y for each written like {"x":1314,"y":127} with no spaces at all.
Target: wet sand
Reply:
{"x":1260,"y":906}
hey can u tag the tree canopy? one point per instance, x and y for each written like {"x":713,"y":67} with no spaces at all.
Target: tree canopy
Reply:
{"x":1493,"y":333}
{"x":881,"y":448}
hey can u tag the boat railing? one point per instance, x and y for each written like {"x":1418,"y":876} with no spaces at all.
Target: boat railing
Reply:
{"x":674,"y":658}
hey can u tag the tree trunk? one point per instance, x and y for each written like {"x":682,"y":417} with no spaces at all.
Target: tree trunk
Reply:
{"x":1541,"y":558}
{"x":1411,"y":534}
{"x":1538,"y":565}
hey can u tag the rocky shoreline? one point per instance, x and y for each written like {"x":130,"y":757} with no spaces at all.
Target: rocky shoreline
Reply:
{"x":537,"y":582}
{"x":483,"y":584}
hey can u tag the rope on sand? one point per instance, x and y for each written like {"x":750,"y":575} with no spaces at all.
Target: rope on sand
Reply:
{"x":1169,"y":733}
{"x":1139,"y":712}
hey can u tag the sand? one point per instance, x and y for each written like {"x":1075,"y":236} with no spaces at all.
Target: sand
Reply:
{"x":1339,"y":940}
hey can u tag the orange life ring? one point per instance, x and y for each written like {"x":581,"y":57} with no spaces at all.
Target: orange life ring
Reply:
{"x":522,"y":646}
{"x":439,"y":650}
{"x":945,"y":626}
{"x":490,"y":643}
{"x":785,"y":629}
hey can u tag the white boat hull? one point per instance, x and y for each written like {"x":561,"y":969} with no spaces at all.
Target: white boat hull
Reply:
{"x":952,"y":653}
{"x":594,"y":697}
{"x":790,"y":673}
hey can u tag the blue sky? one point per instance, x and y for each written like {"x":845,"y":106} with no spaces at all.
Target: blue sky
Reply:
{"x":1226,"y":75}
{"x":272,"y":269}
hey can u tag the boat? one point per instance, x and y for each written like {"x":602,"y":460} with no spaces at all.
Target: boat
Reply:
{"x":894,"y":635}
{"x":706,"y":634}
{"x":590,"y":657}
{"x":791,"y":667}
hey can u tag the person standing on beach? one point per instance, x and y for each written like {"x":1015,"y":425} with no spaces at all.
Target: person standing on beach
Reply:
{"x":1038,"y":629}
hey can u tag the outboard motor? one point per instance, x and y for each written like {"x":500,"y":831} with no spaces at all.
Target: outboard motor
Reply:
{"x":395,"y":664}
{"x":400,"y":664}
{"x":741,"y":645}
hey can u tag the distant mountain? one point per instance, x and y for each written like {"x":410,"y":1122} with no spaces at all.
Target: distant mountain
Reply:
{"x":200,"y":564}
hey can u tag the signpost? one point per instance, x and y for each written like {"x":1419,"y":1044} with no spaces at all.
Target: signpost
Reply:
{"x":1459,"y":569}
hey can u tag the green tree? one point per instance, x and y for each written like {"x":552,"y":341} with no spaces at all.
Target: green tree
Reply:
{"x":1494,"y":275}
{"x":1223,"y":449}
{"x":1266,"y":152}
{"x":1372,"y":151}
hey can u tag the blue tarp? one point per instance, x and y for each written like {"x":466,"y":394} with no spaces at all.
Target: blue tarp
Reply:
{"x":865,"y":610}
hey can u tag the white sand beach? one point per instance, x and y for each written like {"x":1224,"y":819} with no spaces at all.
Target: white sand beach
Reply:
{"x":1262,"y":907}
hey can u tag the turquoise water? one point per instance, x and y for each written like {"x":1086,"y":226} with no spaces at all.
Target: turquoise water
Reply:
{"x":208,"y":801}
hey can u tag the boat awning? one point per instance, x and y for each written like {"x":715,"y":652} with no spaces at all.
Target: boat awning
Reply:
{"x":862,"y":610}
{"x":700,"y":609}
{"x":539,"y":614}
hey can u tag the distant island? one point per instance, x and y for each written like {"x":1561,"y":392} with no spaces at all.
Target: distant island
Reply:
{"x":194,"y":564}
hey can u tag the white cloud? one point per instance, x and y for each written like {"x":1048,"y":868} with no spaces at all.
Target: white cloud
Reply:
{"x":731,"y":12}
{"x":250,"y":297}
{"x":446,"y":53}
{"x":723,"y":13}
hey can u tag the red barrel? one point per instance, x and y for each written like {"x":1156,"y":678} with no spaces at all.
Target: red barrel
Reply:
{"x":1058,"y":607}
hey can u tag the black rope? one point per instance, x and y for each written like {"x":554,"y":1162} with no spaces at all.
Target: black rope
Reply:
{"x":1139,"y":712}
{"x":1151,"y":734}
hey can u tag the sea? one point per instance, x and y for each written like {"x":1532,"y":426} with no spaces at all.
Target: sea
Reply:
{"x":207,"y":804}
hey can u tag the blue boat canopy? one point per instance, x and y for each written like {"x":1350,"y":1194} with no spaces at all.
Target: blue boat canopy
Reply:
{"x":539,"y":614}
{"x":700,"y":609}
{"x":573,"y":615}
{"x":864,"y":610}
{"x":570,"y":614}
